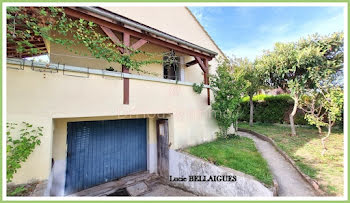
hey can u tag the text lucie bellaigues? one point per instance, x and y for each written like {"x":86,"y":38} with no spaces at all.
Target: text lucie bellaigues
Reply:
{"x":203,"y":178}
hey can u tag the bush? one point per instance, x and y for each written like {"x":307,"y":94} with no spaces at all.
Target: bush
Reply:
{"x":299,"y":118}
{"x":269,"y":109}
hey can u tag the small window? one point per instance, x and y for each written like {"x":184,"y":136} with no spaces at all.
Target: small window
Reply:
{"x":171,"y":68}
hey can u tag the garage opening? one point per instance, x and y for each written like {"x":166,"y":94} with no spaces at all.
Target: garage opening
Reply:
{"x":102,"y":151}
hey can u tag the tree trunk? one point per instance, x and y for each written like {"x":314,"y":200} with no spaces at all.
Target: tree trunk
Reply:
{"x":323,"y":140}
{"x":251,"y":116}
{"x":292,"y":114}
{"x":319,"y":130}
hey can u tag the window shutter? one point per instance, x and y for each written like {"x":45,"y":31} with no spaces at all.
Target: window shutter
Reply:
{"x":182,"y":68}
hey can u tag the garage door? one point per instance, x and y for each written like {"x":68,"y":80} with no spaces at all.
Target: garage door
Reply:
{"x":101,"y":151}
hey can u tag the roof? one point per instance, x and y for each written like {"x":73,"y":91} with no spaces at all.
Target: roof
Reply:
{"x":147,"y":29}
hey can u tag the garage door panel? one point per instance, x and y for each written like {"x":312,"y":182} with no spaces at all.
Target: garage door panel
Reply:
{"x":101,"y":151}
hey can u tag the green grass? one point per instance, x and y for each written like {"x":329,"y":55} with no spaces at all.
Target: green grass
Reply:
{"x":305,"y":149}
{"x":238,"y":153}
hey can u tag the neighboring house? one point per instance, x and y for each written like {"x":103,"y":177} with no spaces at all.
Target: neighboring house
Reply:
{"x":101,"y":125}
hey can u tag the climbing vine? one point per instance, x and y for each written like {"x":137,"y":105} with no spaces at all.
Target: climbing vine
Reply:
{"x":24,"y":24}
{"x":20,"y":143}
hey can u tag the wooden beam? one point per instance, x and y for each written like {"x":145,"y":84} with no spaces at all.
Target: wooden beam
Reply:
{"x":138,"y":44}
{"x":126,"y":40}
{"x":126,"y":86}
{"x":201,"y":64}
{"x":206,"y":80}
{"x":150,"y":39}
{"x":38,"y":45}
{"x":112,"y":36}
{"x":126,"y":82}
{"x":26,"y":48}
{"x":191,"y":63}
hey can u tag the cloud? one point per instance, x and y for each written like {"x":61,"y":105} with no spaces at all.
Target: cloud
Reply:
{"x":269,"y":34}
{"x":270,"y":28}
{"x":206,"y":15}
{"x":251,"y":51}
{"x":199,"y":13}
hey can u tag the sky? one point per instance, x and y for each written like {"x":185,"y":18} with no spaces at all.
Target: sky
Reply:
{"x":247,"y":31}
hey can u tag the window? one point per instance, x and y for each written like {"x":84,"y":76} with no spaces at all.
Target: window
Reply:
{"x":171,"y":68}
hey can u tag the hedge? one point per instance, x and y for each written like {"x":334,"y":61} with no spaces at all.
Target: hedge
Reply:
{"x":271,"y":109}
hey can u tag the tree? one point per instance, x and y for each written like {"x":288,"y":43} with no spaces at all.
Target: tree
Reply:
{"x":289,"y":65}
{"x":334,"y":99}
{"x":328,"y":80}
{"x":312,"y":104}
{"x":325,"y":104}
{"x":228,"y":86}
{"x":253,"y":79}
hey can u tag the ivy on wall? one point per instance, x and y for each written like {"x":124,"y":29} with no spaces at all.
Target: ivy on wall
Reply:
{"x":20,"y":143}
{"x":24,"y":24}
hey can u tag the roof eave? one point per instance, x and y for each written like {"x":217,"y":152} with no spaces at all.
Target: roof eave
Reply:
{"x":145,"y":28}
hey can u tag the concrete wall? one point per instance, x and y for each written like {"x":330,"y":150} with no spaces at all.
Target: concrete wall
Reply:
{"x":184,"y":165}
{"x":47,"y":99}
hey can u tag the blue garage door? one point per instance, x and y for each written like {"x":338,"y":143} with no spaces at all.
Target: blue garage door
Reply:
{"x":101,"y":151}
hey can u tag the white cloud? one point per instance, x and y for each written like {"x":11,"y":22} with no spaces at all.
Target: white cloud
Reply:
{"x":199,"y":13}
{"x":288,"y":32}
{"x":250,"y":51}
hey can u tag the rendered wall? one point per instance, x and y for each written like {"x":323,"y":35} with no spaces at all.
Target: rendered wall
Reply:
{"x":42,"y":98}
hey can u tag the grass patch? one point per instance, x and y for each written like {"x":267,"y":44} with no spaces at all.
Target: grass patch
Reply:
{"x":238,"y":153}
{"x":305,"y":149}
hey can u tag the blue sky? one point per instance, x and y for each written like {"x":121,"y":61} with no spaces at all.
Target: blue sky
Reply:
{"x":247,"y":31}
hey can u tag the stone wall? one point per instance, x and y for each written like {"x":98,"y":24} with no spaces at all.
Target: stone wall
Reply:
{"x":184,"y":165}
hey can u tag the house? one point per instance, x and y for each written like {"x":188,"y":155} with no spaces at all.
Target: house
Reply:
{"x":101,"y":125}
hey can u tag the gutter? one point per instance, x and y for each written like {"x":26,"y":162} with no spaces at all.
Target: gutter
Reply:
{"x":142,"y":27}
{"x":20,"y":64}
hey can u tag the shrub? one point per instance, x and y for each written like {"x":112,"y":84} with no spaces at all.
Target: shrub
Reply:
{"x":228,"y":88}
{"x":299,"y":118}
{"x":269,"y":109}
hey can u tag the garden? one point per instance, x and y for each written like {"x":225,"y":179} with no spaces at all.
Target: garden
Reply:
{"x":305,"y":120}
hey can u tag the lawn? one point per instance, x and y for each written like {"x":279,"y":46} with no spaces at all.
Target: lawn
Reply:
{"x":305,"y":149}
{"x":238,"y":153}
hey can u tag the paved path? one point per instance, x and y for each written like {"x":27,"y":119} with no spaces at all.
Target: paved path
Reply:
{"x":289,"y":180}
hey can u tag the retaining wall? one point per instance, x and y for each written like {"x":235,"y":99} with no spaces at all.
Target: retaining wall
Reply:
{"x":184,"y":165}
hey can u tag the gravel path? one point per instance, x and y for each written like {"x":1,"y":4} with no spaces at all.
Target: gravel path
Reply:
{"x":289,"y":180}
